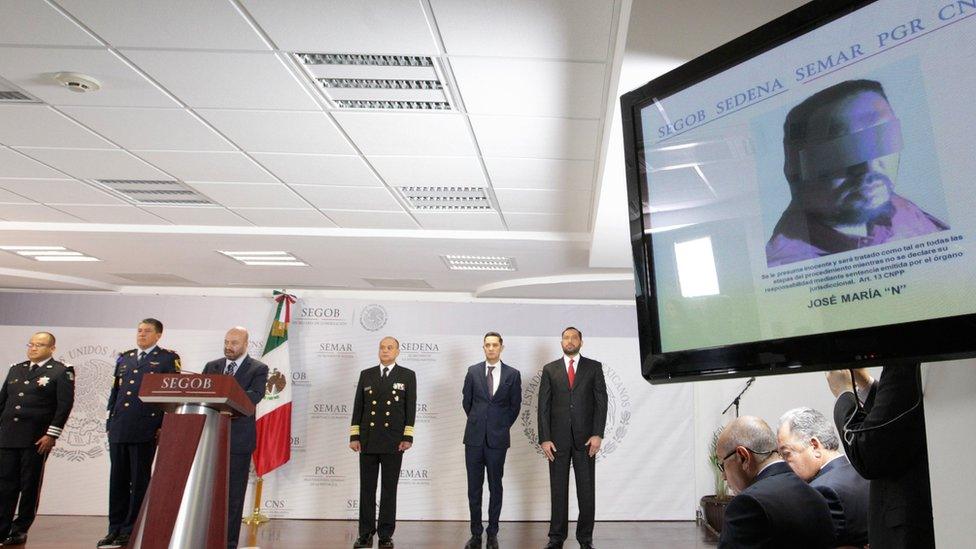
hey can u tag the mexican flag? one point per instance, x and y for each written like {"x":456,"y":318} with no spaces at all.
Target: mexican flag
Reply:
{"x":274,"y":411}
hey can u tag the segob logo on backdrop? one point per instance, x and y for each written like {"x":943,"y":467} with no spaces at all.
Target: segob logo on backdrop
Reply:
{"x":84,"y":435}
{"x":373,"y":317}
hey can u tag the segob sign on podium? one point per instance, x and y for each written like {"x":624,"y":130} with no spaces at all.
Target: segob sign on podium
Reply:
{"x":186,"y":503}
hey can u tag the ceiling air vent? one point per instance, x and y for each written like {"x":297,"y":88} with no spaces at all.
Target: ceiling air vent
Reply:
{"x":479,"y":262}
{"x":12,"y":94}
{"x":155,"y":193}
{"x":384,"y":82}
{"x":401,"y":283}
{"x":446,"y":199}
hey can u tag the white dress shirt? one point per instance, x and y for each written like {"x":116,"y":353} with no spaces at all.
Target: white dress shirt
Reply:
{"x":575,"y":359}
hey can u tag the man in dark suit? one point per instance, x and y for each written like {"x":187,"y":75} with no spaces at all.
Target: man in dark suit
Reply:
{"x":774,"y":508}
{"x":572,"y":418}
{"x":885,"y":441}
{"x":491,"y":398}
{"x":35,"y":402}
{"x":381,"y":431}
{"x":133,"y":428}
{"x":252,"y":376}
{"x":809,"y":443}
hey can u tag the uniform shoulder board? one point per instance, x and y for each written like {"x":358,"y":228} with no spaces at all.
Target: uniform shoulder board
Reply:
{"x":69,"y":371}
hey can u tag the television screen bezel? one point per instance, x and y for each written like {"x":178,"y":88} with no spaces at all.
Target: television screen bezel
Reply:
{"x":936,"y":339}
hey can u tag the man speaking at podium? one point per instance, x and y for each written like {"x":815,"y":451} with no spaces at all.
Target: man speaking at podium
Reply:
{"x":252,"y":376}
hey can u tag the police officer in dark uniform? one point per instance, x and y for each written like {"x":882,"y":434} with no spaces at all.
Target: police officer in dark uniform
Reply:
{"x":133,"y":428}
{"x":381,"y":431}
{"x":35,"y":402}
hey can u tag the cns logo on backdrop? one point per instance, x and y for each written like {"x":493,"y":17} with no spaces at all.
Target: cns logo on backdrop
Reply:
{"x":84,"y":435}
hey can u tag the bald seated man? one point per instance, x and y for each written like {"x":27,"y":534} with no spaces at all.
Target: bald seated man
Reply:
{"x":774,"y":507}
{"x":252,"y":376}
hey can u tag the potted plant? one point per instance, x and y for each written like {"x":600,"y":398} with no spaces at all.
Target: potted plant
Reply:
{"x":712,"y":513}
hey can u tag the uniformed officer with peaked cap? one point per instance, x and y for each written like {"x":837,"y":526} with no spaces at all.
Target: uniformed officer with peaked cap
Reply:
{"x":35,"y":402}
{"x":381,"y":431}
{"x":133,"y":427}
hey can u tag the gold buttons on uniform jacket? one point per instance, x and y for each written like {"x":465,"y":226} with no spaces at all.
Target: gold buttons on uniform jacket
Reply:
{"x":128,"y":392}
{"x":126,"y":404}
{"x":131,"y":381}
{"x":386,"y":425}
{"x":388,"y":403}
{"x":17,"y":407}
{"x":373,"y":412}
{"x":388,"y":413}
{"x":20,"y":394}
{"x":16,"y":419}
{"x":374,"y":403}
{"x":371,"y":424}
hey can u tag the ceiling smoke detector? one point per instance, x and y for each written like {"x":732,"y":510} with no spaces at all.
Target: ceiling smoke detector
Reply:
{"x":77,"y":82}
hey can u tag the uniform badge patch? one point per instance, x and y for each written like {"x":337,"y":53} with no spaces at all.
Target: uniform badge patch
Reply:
{"x":399,"y":386}
{"x":43,"y":380}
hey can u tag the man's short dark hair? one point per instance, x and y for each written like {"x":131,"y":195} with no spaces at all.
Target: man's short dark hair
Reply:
{"x":493,"y":334}
{"x":49,"y":335}
{"x":157,"y":325}
{"x":795,"y":126}
{"x":575,"y":329}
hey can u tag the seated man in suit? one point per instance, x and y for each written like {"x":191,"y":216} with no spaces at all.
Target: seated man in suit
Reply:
{"x":252,"y":376}
{"x":773,"y":508}
{"x":491,"y":398}
{"x":809,"y":444}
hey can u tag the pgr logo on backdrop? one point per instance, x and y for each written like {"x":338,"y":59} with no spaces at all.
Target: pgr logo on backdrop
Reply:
{"x":373,"y":317}
{"x":331,"y":410}
{"x":324,"y":475}
{"x":419,"y":351}
{"x":84,"y":434}
{"x":330,"y":315}
{"x":618,"y":412}
{"x":425,"y":412}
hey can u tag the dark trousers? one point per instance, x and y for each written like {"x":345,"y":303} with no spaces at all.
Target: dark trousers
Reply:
{"x":369,"y":466}
{"x":584,"y":469}
{"x":21,"y":475}
{"x":240,"y":468}
{"x":477,"y":459}
{"x":128,"y":480}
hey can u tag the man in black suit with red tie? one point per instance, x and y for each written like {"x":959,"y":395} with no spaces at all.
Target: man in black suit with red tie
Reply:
{"x":252,"y":376}
{"x":491,"y":398}
{"x":572,"y":418}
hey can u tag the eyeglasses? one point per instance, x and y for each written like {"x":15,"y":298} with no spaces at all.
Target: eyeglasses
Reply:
{"x":37,"y":345}
{"x":721,"y":463}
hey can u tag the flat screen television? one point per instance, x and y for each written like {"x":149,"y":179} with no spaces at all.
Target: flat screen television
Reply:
{"x":804,"y":197}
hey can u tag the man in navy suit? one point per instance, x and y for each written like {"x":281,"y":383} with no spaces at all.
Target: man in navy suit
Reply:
{"x":774,"y":508}
{"x":252,"y":376}
{"x":491,"y":398}
{"x":572,"y":419}
{"x":809,"y":443}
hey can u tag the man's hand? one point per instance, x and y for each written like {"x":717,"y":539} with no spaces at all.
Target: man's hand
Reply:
{"x":863,"y":379}
{"x":404,"y":446}
{"x":549,"y":449}
{"x":44,"y":444}
{"x":839,"y":381}
{"x":594,"y":444}
{"x":354,"y":446}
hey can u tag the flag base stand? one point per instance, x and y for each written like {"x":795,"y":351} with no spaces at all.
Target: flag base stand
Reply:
{"x":256,"y":517}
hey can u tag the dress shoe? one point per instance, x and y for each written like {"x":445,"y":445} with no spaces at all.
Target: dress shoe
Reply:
{"x":15,"y":539}
{"x":473,"y":543}
{"x":553,"y":544}
{"x":108,"y":542}
{"x":122,"y":540}
{"x":386,"y":543}
{"x":586,"y":546}
{"x":363,"y":541}
{"x":492,"y":542}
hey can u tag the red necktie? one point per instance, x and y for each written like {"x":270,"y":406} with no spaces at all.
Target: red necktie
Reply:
{"x":572,"y":374}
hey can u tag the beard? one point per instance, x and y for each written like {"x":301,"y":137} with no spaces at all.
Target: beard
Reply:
{"x":863,"y":199}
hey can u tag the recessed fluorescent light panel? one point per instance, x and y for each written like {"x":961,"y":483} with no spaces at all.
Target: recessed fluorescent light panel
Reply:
{"x":479,"y":263}
{"x":446,"y":199}
{"x":266,"y":259}
{"x":383,"y":82}
{"x":155,"y":193}
{"x":48,"y":253}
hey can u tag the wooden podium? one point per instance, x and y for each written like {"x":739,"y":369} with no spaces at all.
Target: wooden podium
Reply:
{"x":186,"y":503}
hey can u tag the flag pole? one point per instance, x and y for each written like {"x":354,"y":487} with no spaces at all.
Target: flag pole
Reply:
{"x":256,"y":517}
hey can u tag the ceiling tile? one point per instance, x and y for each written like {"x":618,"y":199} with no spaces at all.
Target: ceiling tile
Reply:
{"x":559,"y":223}
{"x":29,"y":22}
{"x":35,"y":213}
{"x":544,"y":201}
{"x":412,"y":134}
{"x":7,"y":197}
{"x":58,"y":191}
{"x":281,"y":217}
{"x":377,"y":26}
{"x":14,"y":164}
{"x":242,"y":195}
{"x":308,"y":169}
{"x":351,"y":219}
{"x":461,"y":221}
{"x":128,"y":215}
{"x":434,"y":170}
{"x":536,"y":137}
{"x":279,"y":131}
{"x":42,"y":126}
{"x":539,"y":173}
{"x":326,"y":197}
{"x":197,"y":215}
{"x":32,"y":70}
{"x":208,"y":166}
{"x":186,"y":24}
{"x":530,"y":87}
{"x":225,"y":79}
{"x":554,"y":29}
{"x":158,"y":129}
{"x":95,"y":164}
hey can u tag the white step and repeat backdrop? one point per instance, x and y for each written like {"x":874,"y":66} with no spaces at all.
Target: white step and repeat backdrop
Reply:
{"x":645,"y":470}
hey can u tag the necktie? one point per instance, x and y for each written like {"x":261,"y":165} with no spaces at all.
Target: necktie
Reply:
{"x":231,"y":366}
{"x":386,"y":371}
{"x":142,"y":355}
{"x":491,"y":382}
{"x":572,"y":374}
{"x":33,"y":367}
